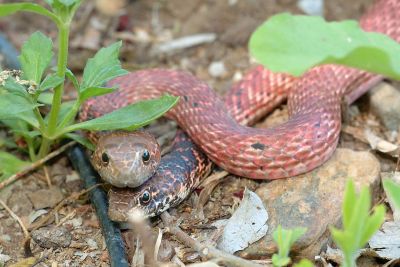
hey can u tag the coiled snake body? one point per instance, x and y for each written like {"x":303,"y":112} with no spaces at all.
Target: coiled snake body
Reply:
{"x":304,"y":142}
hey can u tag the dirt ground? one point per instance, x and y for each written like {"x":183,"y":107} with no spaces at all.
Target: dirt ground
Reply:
{"x":142,"y":25}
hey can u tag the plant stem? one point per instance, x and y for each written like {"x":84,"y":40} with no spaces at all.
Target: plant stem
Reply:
{"x":63,"y":38}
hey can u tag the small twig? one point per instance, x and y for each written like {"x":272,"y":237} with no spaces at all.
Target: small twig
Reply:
{"x":36,"y":164}
{"x":46,"y":174}
{"x":204,"y":250}
{"x":26,"y":233}
{"x":141,"y":229}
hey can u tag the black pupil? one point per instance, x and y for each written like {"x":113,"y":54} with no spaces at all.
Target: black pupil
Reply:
{"x":145,"y":197}
{"x":146,"y":155}
{"x":104,"y":158}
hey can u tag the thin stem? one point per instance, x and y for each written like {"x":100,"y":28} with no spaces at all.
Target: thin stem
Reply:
{"x":42,"y":124}
{"x":63,"y":37}
{"x":31,"y":149}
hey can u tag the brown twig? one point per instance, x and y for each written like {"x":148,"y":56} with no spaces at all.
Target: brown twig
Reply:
{"x":204,"y":250}
{"x":15,"y":216}
{"x":36,"y":164}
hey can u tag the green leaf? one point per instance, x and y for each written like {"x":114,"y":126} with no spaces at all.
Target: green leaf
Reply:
{"x":9,"y":9}
{"x":103,"y":67}
{"x":13,"y":87}
{"x":12,"y":105}
{"x":373,"y":224}
{"x":81,"y":140}
{"x":36,"y":55}
{"x":285,"y":240}
{"x":304,"y":263}
{"x":392,"y":190}
{"x":72,"y":78}
{"x":50,"y":81}
{"x":347,"y":206}
{"x":10,"y":164}
{"x":294,"y":44}
{"x":46,"y":98}
{"x":130,"y":117}
{"x":94,"y":91}
{"x":277,"y":261}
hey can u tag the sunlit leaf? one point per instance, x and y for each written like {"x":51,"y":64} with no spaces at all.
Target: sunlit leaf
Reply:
{"x":294,"y":44}
{"x":130,"y":117}
{"x":103,"y":67}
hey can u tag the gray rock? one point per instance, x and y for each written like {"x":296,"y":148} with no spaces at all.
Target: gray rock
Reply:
{"x":46,"y":198}
{"x":314,"y":200}
{"x":385,"y":103}
{"x":52,"y":237}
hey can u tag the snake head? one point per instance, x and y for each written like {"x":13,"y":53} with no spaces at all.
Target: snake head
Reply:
{"x":147,"y":198}
{"x":126,"y":159}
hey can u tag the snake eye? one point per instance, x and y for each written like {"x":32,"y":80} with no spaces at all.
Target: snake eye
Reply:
{"x":146,"y":156}
{"x":105,"y":158}
{"x":145,"y":198}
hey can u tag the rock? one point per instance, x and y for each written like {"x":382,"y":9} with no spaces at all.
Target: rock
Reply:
{"x":314,"y":200}
{"x":52,"y":237}
{"x":311,"y":7}
{"x":384,"y":102}
{"x":46,"y":198}
{"x":217,"y":69}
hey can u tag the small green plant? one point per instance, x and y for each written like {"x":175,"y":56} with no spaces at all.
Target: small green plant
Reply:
{"x":392,"y":190}
{"x":285,"y":240}
{"x":358,"y":224}
{"x":23,"y":93}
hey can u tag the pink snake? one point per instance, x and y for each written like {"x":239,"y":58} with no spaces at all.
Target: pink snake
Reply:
{"x":301,"y":144}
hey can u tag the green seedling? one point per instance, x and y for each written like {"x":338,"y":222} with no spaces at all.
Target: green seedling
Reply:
{"x":358,"y":224}
{"x":22,"y":94}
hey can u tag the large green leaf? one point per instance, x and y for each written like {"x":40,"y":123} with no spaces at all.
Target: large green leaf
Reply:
{"x":294,"y":44}
{"x":130,"y":117}
{"x":10,"y":164}
{"x":103,"y":67}
{"x":36,"y":55}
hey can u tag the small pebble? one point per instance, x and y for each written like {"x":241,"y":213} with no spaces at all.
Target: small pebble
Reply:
{"x":52,"y":237}
{"x":217,"y":69}
{"x":312,"y":7}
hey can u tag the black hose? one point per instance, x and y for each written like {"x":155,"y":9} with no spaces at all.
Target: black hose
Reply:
{"x":98,"y":197}
{"x":9,"y":54}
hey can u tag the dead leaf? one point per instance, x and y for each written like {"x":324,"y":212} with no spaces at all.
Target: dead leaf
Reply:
{"x":247,"y":225}
{"x":386,"y":242}
{"x":25,"y":262}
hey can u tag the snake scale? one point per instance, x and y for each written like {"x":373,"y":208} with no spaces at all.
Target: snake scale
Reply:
{"x":220,"y":129}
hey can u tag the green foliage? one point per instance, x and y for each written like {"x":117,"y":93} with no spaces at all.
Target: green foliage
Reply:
{"x":22,"y":93}
{"x":392,"y":190}
{"x":285,"y":239}
{"x":10,"y":164}
{"x":145,"y":112}
{"x":294,"y":44}
{"x":304,"y":263}
{"x":36,"y":55}
{"x":358,"y":224}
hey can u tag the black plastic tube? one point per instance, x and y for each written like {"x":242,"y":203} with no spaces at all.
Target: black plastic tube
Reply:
{"x":98,"y":197}
{"x":9,"y":53}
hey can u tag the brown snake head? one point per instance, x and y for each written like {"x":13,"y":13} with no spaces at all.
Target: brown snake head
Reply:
{"x":126,"y":159}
